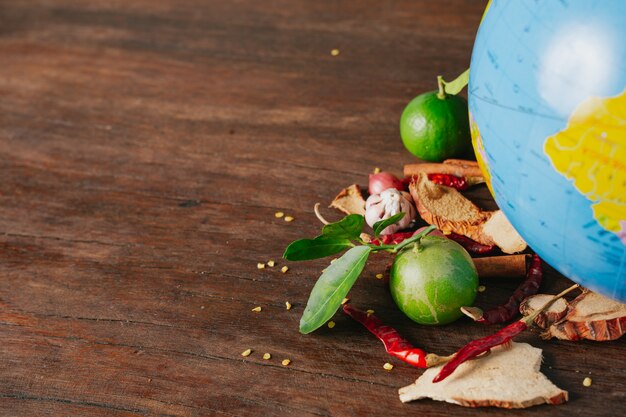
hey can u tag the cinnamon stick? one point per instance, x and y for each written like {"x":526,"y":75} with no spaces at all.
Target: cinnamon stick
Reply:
{"x":458,"y":169}
{"x":501,"y":266}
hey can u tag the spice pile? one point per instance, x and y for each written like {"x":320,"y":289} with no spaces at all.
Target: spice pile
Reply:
{"x":473,"y":243}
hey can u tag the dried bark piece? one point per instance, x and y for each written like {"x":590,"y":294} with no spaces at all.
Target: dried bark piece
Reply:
{"x":350,"y":201}
{"x":507,"y":378}
{"x":554,"y":313}
{"x":450,"y":211}
{"x":459,"y":168}
{"x":591,"y":316}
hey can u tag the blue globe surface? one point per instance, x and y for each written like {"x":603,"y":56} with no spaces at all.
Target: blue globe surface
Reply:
{"x":547,"y":102}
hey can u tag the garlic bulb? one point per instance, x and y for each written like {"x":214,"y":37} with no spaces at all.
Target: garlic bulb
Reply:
{"x":389,"y":203}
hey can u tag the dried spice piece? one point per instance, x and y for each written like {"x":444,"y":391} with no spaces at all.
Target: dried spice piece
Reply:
{"x":350,"y":201}
{"x":456,"y":167}
{"x":260,"y":265}
{"x":590,"y":316}
{"x":451,"y":212}
{"x":449,"y":180}
{"x":508,"y":378}
{"x":288,"y":219}
{"x":267,"y":356}
{"x":331,"y":324}
{"x":508,"y":310}
{"x":257,"y":309}
{"x":501,"y":337}
{"x":271,"y":263}
{"x":379,"y":276}
{"x":395,"y":344}
{"x":556,"y":312}
{"x":587,"y":382}
{"x":387,"y":366}
{"x":279,"y":214}
{"x":246,"y":353}
{"x":284,"y":269}
{"x":470,"y":245}
{"x":287,"y":305}
{"x":501,"y":266}
{"x":286,"y":362}
{"x":334,"y":52}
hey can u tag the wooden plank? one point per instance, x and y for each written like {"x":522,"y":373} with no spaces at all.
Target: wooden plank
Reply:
{"x":144,"y":148}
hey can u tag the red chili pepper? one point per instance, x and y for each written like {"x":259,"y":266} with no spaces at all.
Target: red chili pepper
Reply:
{"x":502,"y":336}
{"x":395,"y":344}
{"x":458,"y":183}
{"x":507,"y":311}
{"x":471,"y":245}
{"x":392,"y":239}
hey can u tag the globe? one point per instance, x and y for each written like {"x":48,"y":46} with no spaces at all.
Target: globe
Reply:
{"x":547,"y":100}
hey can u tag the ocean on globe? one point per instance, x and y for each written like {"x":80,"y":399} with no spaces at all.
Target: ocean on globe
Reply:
{"x":547,"y":100}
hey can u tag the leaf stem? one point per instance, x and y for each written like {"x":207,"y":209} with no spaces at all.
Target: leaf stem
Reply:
{"x":414,"y":238}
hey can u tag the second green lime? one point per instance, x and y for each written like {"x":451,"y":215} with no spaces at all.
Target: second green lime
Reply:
{"x":435,"y":126}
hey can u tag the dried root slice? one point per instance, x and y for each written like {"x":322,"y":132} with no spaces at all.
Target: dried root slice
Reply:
{"x":450,"y":211}
{"x":457,"y":167}
{"x":590,"y":316}
{"x":508,"y":378}
{"x":350,"y":201}
{"x":554,"y":313}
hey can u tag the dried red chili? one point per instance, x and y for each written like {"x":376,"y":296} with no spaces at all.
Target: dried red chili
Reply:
{"x":392,"y":239}
{"x":395,"y":344}
{"x":485,"y":344}
{"x":449,"y":180}
{"x":470,"y":245}
{"x":507,"y":311}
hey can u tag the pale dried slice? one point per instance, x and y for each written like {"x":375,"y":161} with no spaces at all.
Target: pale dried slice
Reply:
{"x":590,"y":316}
{"x":450,"y":211}
{"x":350,"y":201}
{"x":508,"y":378}
{"x":554,"y":313}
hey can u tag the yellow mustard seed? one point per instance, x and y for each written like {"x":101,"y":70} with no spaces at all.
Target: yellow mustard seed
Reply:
{"x":379,"y":276}
{"x":387,"y":366}
{"x":267,"y":356}
{"x":271,"y":263}
{"x":345,"y":300}
{"x":286,"y":362}
{"x":481,"y":288}
{"x":284,"y":269}
{"x":287,"y":305}
{"x":288,"y":219}
{"x":331,"y":324}
{"x":246,"y":353}
{"x":376,"y":170}
{"x":260,"y":265}
{"x":587,"y":382}
{"x":334,"y":52}
{"x":279,"y":214}
{"x":257,"y":309}
{"x":370,"y":312}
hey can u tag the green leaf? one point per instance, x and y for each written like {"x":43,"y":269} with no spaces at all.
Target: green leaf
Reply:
{"x":454,"y":87}
{"x":381,"y":225}
{"x":320,"y":247}
{"x":332,"y":287}
{"x":349,"y":227}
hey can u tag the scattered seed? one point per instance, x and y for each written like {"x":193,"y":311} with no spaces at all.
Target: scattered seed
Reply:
{"x":334,"y":52}
{"x":271,"y":263}
{"x":369,"y":312}
{"x":376,"y":170}
{"x":345,"y":300}
{"x":257,"y":309}
{"x":288,"y":219}
{"x":286,"y":362}
{"x":246,"y":353}
{"x":201,"y":307}
{"x":331,"y":324}
{"x":481,"y":288}
{"x":267,"y":356}
{"x":587,"y":382}
{"x":279,"y":214}
{"x":260,"y":265}
{"x":379,"y":276}
{"x":387,"y":366}
{"x":287,"y":305}
{"x":284,"y":269}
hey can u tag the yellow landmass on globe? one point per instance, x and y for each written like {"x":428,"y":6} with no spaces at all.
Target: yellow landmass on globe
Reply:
{"x":591,"y":151}
{"x":479,"y":150}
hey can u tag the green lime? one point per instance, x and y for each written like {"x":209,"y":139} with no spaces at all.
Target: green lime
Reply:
{"x":432,"y":280}
{"x":435,"y":128}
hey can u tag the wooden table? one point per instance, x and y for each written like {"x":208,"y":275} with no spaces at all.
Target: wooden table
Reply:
{"x":145,"y":147}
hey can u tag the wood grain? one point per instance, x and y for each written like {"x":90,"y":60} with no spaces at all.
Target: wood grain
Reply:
{"x":144,"y":148}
